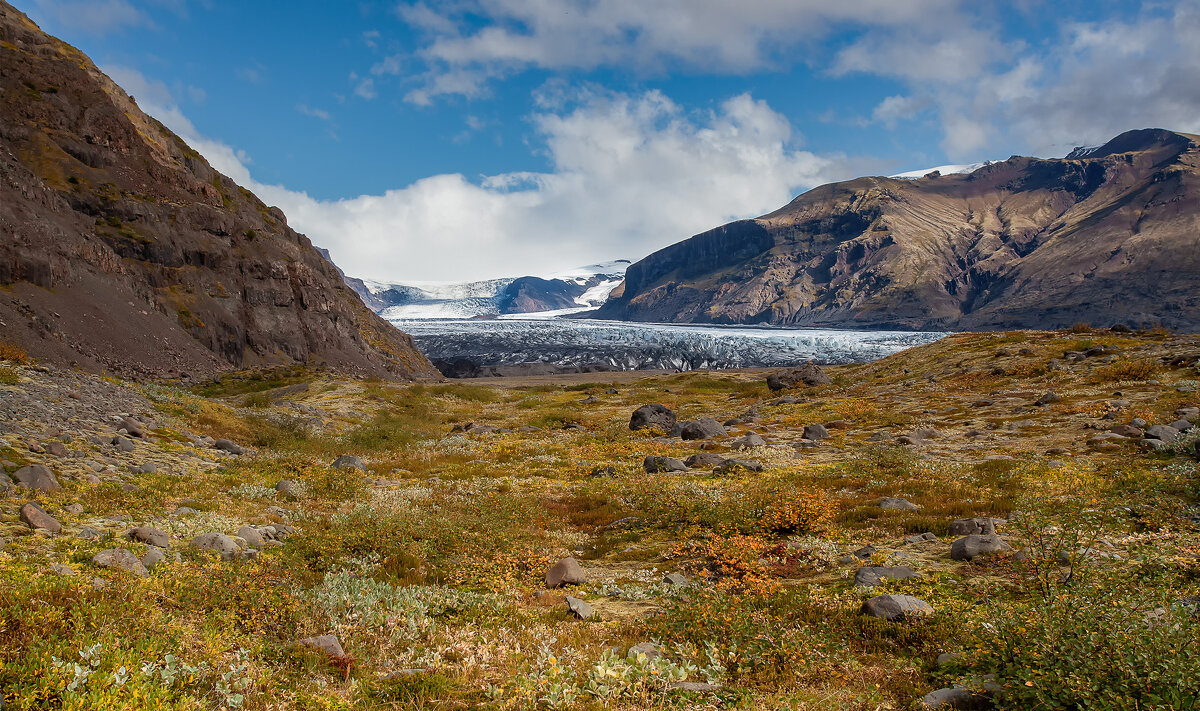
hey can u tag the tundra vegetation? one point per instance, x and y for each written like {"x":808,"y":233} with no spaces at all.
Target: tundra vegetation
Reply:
{"x":428,"y":563}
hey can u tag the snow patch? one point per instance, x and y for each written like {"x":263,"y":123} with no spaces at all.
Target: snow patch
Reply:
{"x":943,"y":169}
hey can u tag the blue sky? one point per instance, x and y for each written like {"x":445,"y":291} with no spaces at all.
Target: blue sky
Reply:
{"x":473,"y":138}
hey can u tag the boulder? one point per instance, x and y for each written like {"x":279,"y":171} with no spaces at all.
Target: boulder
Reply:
{"x":122,"y":444}
{"x":894,"y":503}
{"x":36,"y":477}
{"x":809,"y":375}
{"x":226,"y":445}
{"x":287,"y":487}
{"x":119,"y":559}
{"x":896,"y":608}
{"x":703,"y":428}
{"x":750,"y":441}
{"x":153,"y":557}
{"x":704,"y":460}
{"x":816,"y":432}
{"x":35,"y":516}
{"x":149,"y":536}
{"x":565,"y":572}
{"x":1047,"y":399}
{"x":1127,"y":431}
{"x":730,"y":466}
{"x":347,"y":461}
{"x":920,"y":538}
{"x":969,"y":547}
{"x":57,"y":449}
{"x":579,"y":608}
{"x":676,"y":579}
{"x":972,"y":526}
{"x":251,"y":536}
{"x":957,"y":698}
{"x":656,"y":416}
{"x":1163,"y":432}
{"x":656,"y":465}
{"x":871,"y":576}
{"x":327,"y":643}
{"x":133,"y":427}
{"x":219,"y":542}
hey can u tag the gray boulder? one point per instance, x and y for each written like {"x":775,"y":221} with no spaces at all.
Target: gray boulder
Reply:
{"x":896,"y":608}
{"x":579,"y":608}
{"x":36,"y":517}
{"x":36,"y":477}
{"x":286,"y":487}
{"x":327,"y":643}
{"x":565,"y":572}
{"x":972,"y":526}
{"x":893,"y":503}
{"x":119,"y":559}
{"x":252,"y":537}
{"x":704,"y":460}
{"x":676,"y":579}
{"x":870,"y":576}
{"x":730,"y":466}
{"x":750,"y":441}
{"x":816,"y":432}
{"x":218,"y":542}
{"x":647,"y":416}
{"x":153,"y":557}
{"x":809,"y":375}
{"x":957,"y":698}
{"x":149,"y":536}
{"x":226,"y":445}
{"x":703,"y":428}
{"x":133,"y":427}
{"x":656,"y":465}
{"x":347,"y":461}
{"x":122,"y":444}
{"x":920,"y":538}
{"x":970,"y":547}
{"x":1163,"y":432}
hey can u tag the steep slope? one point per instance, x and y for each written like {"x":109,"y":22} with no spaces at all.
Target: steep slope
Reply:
{"x":1105,"y":235}
{"x":122,"y":249}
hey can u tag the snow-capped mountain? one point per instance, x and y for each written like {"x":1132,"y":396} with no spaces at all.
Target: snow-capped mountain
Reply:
{"x":962,"y":169}
{"x":570,"y":291}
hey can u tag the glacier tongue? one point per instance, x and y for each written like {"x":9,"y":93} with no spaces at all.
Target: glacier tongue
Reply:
{"x":633,"y":346}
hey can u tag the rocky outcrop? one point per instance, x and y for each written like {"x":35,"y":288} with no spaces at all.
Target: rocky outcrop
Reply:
{"x":122,"y":249}
{"x":1109,"y":235}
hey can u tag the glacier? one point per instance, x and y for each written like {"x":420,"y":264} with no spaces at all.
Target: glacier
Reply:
{"x":616,"y":345}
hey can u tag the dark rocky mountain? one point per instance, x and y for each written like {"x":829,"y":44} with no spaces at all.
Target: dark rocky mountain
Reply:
{"x":1106,"y":235}
{"x":122,"y":249}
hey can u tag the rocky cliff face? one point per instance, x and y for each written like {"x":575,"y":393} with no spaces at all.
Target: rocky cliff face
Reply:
{"x":1106,"y":235}
{"x":122,"y":249}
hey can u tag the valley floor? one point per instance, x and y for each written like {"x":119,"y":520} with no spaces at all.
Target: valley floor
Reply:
{"x":198,"y":548}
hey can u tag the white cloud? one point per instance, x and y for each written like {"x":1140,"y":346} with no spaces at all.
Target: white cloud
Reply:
{"x":629,"y":174}
{"x":314,"y":113}
{"x":92,"y":16}
{"x":897,"y":108}
{"x":706,"y":35}
{"x":365,"y":88}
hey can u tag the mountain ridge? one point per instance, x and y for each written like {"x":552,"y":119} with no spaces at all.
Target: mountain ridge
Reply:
{"x":1110,"y":236}
{"x":122,"y":249}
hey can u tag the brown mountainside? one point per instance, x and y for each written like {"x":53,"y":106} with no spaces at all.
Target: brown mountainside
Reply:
{"x":1108,"y":235}
{"x":121,"y":248}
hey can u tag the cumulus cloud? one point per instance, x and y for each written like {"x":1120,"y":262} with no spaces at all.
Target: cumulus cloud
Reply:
{"x":629,"y":174}
{"x":705,"y":35}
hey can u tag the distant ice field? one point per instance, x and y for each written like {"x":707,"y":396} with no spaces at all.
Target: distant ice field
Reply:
{"x":631,"y":346}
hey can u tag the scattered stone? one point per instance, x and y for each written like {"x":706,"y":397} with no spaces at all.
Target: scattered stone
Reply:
{"x":1127,"y":431}
{"x":219,"y":542}
{"x":565,"y":572}
{"x":750,"y":441}
{"x":148,"y":468}
{"x":149,"y":536}
{"x":920,"y":538}
{"x":36,"y":477}
{"x":896,"y":608}
{"x":122,"y":444}
{"x":675,"y":579}
{"x":703,"y":428}
{"x":327,"y":643}
{"x":730,"y":466}
{"x":36,"y":517}
{"x":1047,"y":399}
{"x":1163,"y":432}
{"x":704,"y":460}
{"x":153,"y":557}
{"x":816,"y":432}
{"x":226,"y":445}
{"x":56,"y":448}
{"x":648,"y":416}
{"x":581,"y":609}
{"x":809,"y":374}
{"x":649,"y":649}
{"x":347,"y":461}
{"x":969,"y":547}
{"x":869,"y":577}
{"x":119,"y":559}
{"x":971,"y":526}
{"x":957,"y":698}
{"x":133,"y":427}
{"x":894,"y":503}
{"x":252,"y":537}
{"x":656,"y":465}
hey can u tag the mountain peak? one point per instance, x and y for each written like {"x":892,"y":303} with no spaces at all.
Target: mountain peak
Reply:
{"x":1136,"y":141}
